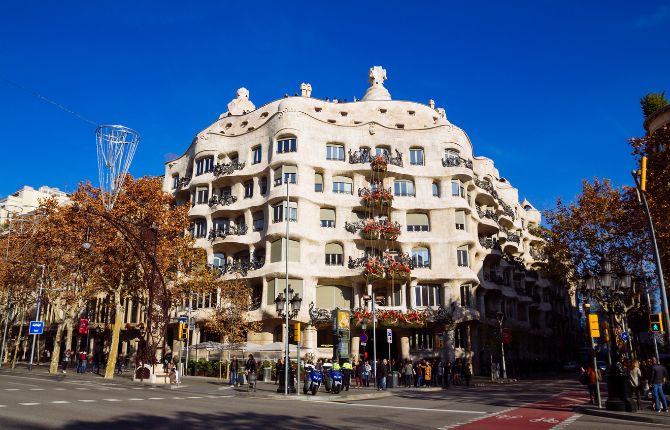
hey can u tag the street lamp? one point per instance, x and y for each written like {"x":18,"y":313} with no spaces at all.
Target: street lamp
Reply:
{"x":293,"y":301}
{"x":613,"y":288}
{"x":501,"y":317}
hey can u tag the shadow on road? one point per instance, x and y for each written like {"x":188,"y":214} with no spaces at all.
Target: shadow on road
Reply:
{"x":201,"y":421}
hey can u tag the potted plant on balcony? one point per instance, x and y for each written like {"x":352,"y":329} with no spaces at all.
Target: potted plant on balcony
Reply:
{"x":373,"y":270}
{"x":379,"y":163}
{"x":389,"y":230}
{"x":371,"y":230}
{"x":398,"y":270}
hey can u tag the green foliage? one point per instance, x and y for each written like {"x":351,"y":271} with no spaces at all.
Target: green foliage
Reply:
{"x":652,"y":102}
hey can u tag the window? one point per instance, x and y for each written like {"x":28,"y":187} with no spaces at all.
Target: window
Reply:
{"x":202,"y":196}
{"x":318,"y":182}
{"x":221,"y":224}
{"x":327,"y":217}
{"x":259,"y":221}
{"x":225,"y":191}
{"x":175,"y":182}
{"x":219,"y":260}
{"x":342,"y":185}
{"x":286,"y":145}
{"x":457,"y":189}
{"x":285,"y":174}
{"x":333,"y":296}
{"x":460,"y":220}
{"x":204,"y":165}
{"x":334,"y":254}
{"x":462,"y":256}
{"x":382,"y":150}
{"x":278,"y":285}
{"x":421,"y":257}
{"x":460,"y":338}
{"x":278,"y":212}
{"x":278,"y":250}
{"x":334,"y":152}
{"x":466,"y":296}
{"x":436,"y":189}
{"x":416,"y":156}
{"x":241,"y":222}
{"x":421,"y":339}
{"x":451,"y":154}
{"x":417,"y":222}
{"x":264,"y":185}
{"x":256,"y":151}
{"x":403,"y":188}
{"x":200,"y":228}
{"x":248,"y":189}
{"x":427,"y":295}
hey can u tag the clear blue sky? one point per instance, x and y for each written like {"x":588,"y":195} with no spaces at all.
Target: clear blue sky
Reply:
{"x":549,"y":90}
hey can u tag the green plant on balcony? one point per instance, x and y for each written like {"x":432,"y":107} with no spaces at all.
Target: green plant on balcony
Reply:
{"x":653,"y":102}
{"x":374,"y":269}
{"x":371,"y":230}
{"x":379,"y":163}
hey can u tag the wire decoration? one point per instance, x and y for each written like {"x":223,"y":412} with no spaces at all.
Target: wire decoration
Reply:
{"x":116,"y":147}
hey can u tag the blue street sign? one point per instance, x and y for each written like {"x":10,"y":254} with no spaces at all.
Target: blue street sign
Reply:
{"x":364,"y":338}
{"x":36,"y":327}
{"x":182,"y":319}
{"x":624,"y":336}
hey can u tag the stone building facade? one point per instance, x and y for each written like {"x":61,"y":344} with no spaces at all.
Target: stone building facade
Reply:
{"x":376,"y":188}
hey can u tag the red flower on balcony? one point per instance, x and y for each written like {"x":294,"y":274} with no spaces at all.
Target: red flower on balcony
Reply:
{"x":374,"y":269}
{"x":371,"y":230}
{"x":389,"y":230}
{"x":379,"y":163}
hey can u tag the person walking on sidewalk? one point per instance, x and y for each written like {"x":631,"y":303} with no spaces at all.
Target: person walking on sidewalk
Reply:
{"x":66,"y":360}
{"x":383,"y":372}
{"x":408,"y":372}
{"x":593,"y":377}
{"x":635,"y":381}
{"x":234,"y":369}
{"x":250,"y":370}
{"x":658,"y":375}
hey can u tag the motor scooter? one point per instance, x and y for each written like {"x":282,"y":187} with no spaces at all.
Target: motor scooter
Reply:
{"x":336,"y":380}
{"x":313,"y":379}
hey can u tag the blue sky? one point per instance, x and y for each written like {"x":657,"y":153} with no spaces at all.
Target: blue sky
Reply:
{"x":549,"y":90}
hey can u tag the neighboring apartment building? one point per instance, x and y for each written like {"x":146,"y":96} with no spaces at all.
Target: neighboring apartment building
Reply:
{"x":26,"y":200}
{"x":385,"y":197}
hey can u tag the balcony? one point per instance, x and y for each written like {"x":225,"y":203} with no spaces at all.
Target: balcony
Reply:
{"x":456,"y":161}
{"x":488,"y":213}
{"x":388,"y":266}
{"x":222,"y":233}
{"x":183,"y":182}
{"x":490,"y":243}
{"x":227,"y":168}
{"x":241,"y":266}
{"x":376,"y":196}
{"x":364,"y":155}
{"x":537,"y":255}
{"x":486,"y":186}
{"x":224,"y":200}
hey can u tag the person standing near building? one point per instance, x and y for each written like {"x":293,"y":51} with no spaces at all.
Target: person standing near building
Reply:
{"x":367,"y":370}
{"x":658,"y":375}
{"x":408,"y":372}
{"x":234,"y":369}
{"x":635,"y":381}
{"x":382,"y":372}
{"x":347,"y":370}
{"x":428,"y":374}
{"x":592,"y":377}
{"x":66,"y":360}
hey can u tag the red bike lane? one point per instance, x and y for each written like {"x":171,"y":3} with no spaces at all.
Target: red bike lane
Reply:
{"x":542,"y":415}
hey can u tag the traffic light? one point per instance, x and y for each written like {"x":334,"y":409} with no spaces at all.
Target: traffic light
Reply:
{"x":643,"y":174}
{"x":296,"y":333}
{"x":183,"y":330}
{"x":83,"y":326}
{"x":655,"y":323}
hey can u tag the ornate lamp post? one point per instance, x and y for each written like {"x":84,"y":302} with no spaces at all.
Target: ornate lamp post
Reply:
{"x":501,"y":317}
{"x":612,"y":288}
{"x":287,"y":307}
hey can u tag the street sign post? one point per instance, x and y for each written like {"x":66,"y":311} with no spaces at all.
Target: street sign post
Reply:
{"x":594,"y":327}
{"x":364,"y":339}
{"x":389,"y":335}
{"x":36,"y":327}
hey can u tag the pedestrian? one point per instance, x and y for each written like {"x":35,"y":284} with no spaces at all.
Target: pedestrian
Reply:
{"x":367,"y":370}
{"x":447,"y":374}
{"x":467,"y":374}
{"x":440,"y":373}
{"x":658,"y":375}
{"x":646,"y":373}
{"x":456,"y":372}
{"x":234,"y":368}
{"x":82,"y":362}
{"x":250,"y":370}
{"x":592,"y":377}
{"x":119,"y":364}
{"x":66,"y":360}
{"x":383,"y":372}
{"x":428,"y":374}
{"x":279,"y":365}
{"x":408,"y":372}
{"x":347,"y":370}
{"x":635,"y":381}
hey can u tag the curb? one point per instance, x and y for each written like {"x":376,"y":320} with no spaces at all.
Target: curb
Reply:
{"x":627,"y":416}
{"x":317,"y":398}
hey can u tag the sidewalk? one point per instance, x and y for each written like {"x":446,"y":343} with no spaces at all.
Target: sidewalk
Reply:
{"x":645,"y":415}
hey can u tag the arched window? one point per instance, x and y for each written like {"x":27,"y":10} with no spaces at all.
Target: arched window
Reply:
{"x":327,"y":217}
{"x":427,"y":295}
{"x":463,"y":256}
{"x":287,"y":144}
{"x":285,"y":174}
{"x":382,"y":150}
{"x":219,"y":260}
{"x":318,"y":182}
{"x":417,"y":222}
{"x":278,"y":212}
{"x":204,"y":165}
{"x":416,"y":156}
{"x":436,"y":189}
{"x":334,"y":254}
{"x":460,"y":220}
{"x":199,"y":228}
{"x":420,"y":257}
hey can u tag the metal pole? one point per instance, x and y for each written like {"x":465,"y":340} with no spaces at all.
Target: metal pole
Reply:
{"x":502,"y":348}
{"x":374,"y":336}
{"x":595,"y":369}
{"x":642,"y":198}
{"x":37,"y":317}
{"x":188,"y":330}
{"x":298,"y":368}
{"x":288,"y":220}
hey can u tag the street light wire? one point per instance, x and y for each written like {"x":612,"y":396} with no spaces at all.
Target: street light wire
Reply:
{"x":39,"y":96}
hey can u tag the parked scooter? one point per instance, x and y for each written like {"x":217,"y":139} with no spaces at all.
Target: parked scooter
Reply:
{"x":336,"y":380}
{"x":327,"y":376}
{"x":313,"y":379}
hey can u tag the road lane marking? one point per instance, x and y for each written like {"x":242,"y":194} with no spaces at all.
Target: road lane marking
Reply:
{"x":198,"y":397}
{"x":177,"y":398}
{"x":60,"y":401}
{"x":115,"y":400}
{"x":162,"y":398}
{"x":453,"y":411}
{"x":12,"y":389}
{"x":3,"y":406}
{"x":59,"y":389}
{"x":86,"y":389}
{"x":86,"y":401}
{"x":28,"y":404}
{"x":42,"y":389}
{"x":135,"y":399}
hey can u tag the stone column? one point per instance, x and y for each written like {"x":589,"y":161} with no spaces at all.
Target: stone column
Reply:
{"x":450,"y":348}
{"x":309,"y":339}
{"x":404,"y":347}
{"x":445,"y":294}
{"x":403,"y":296}
{"x":412,"y":297}
{"x":355,"y":350}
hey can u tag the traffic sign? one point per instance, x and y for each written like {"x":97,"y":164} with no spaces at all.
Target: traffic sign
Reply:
{"x":594,"y":327}
{"x":624,"y":336}
{"x":36,"y":327}
{"x":364,"y":339}
{"x":389,"y":335}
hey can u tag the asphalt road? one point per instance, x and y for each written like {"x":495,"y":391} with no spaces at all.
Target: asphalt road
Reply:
{"x":39,"y":401}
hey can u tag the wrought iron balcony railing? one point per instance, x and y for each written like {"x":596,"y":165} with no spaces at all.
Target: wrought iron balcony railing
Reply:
{"x":222,"y":233}
{"x":489,"y":243}
{"x":223,"y":200}
{"x":364,"y":155}
{"x":537,"y":254}
{"x":456,"y":161}
{"x":227,"y":168}
{"x":183,"y":182}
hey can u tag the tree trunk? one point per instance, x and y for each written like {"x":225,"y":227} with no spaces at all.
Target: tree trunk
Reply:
{"x":55,"y":354}
{"x":18,"y":339}
{"x":68,"y":335}
{"x":116,"y":331}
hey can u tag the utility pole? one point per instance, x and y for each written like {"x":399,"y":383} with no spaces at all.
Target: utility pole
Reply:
{"x":374,"y":335}
{"x":37,"y":318}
